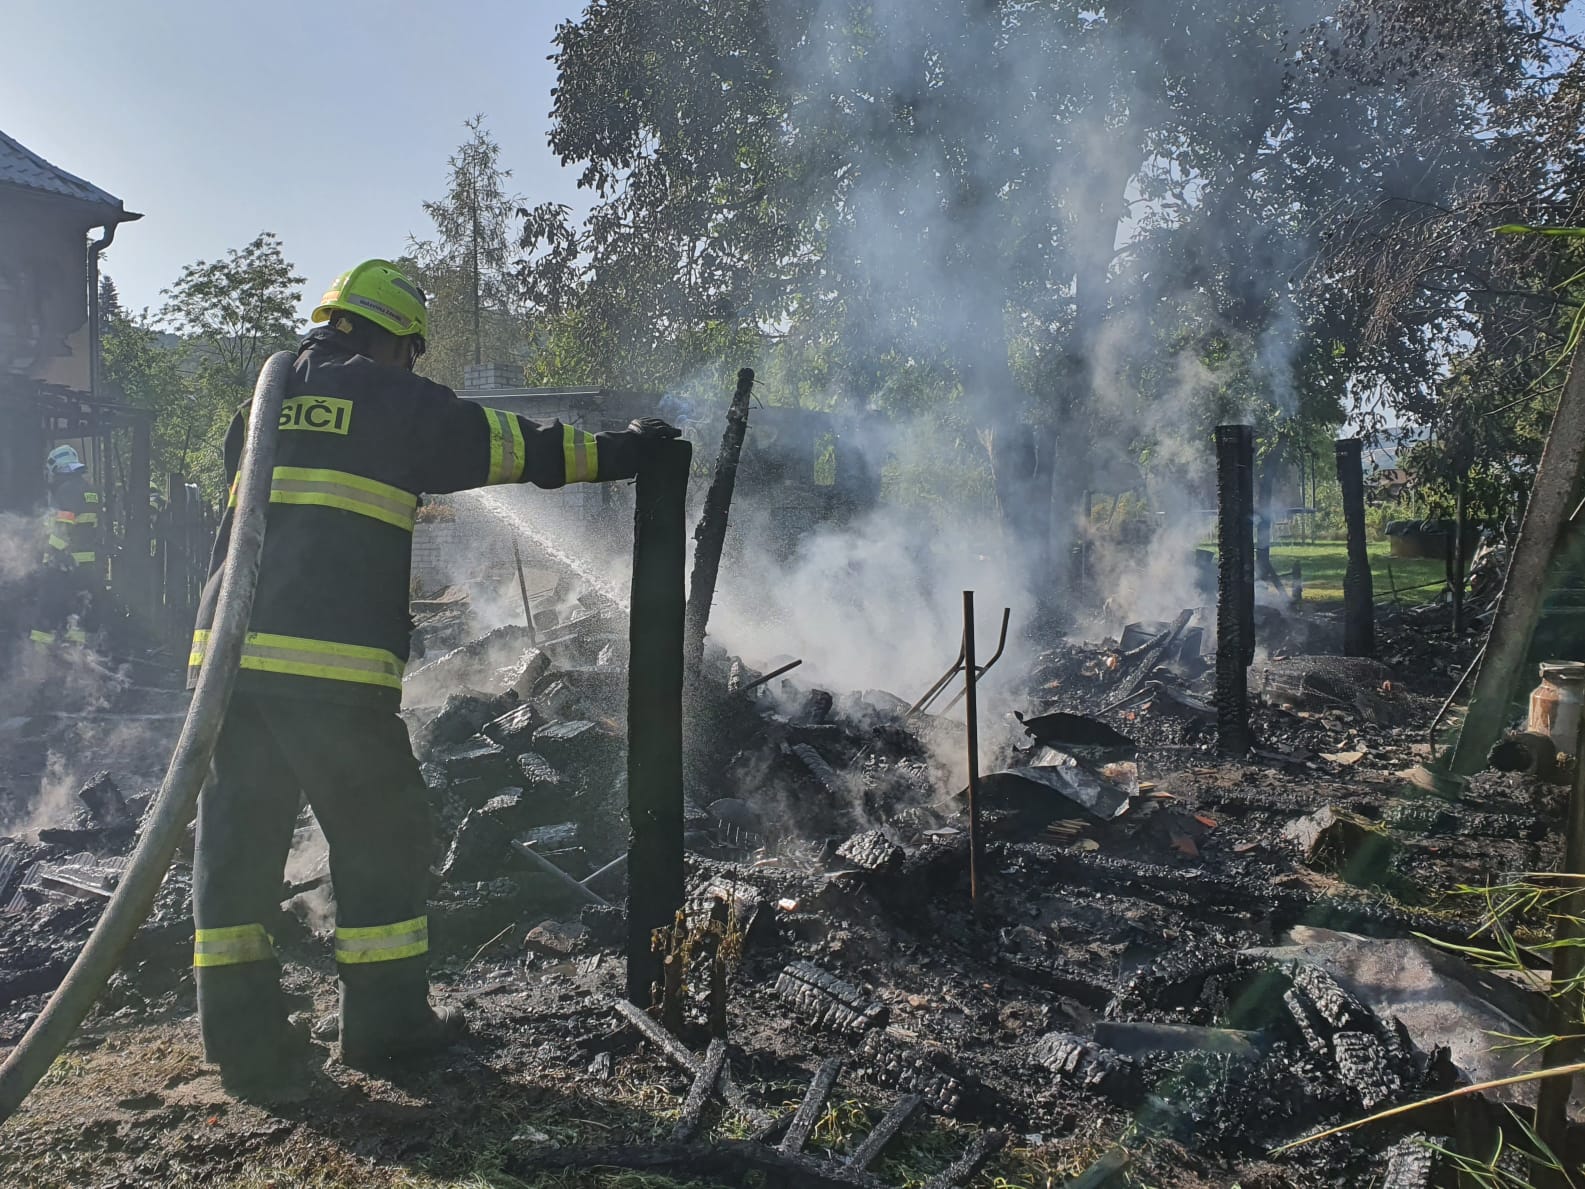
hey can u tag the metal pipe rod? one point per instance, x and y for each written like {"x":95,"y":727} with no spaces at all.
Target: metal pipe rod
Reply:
{"x":615,"y":865}
{"x":1001,"y":646}
{"x":522,"y":589}
{"x":578,"y":890}
{"x":771,"y":676}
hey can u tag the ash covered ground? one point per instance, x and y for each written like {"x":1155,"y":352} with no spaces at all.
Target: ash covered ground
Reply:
{"x":1184,"y":959}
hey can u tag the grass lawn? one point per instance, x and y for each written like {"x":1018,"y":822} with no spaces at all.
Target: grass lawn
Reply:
{"x":1324,"y":562}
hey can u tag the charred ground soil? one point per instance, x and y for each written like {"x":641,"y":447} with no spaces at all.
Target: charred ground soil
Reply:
{"x":1164,"y":979}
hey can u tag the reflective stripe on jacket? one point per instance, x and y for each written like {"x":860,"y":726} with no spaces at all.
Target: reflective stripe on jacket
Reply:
{"x":359,"y":442}
{"x":74,"y":519}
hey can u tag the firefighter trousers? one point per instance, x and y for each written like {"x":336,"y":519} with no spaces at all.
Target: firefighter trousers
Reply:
{"x":356,"y":768}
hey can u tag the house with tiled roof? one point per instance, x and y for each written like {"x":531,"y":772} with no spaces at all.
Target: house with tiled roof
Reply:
{"x":53,"y":225}
{"x":46,"y":214}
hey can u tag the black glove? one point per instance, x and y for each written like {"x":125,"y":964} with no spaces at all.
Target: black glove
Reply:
{"x":621,"y":452}
{"x":653,"y":427}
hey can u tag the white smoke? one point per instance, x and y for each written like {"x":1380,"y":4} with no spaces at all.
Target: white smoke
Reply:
{"x":308,"y":857}
{"x":875,"y":604}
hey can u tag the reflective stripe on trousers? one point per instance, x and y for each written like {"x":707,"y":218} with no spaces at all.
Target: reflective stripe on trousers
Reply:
{"x":341,"y":490}
{"x":506,"y":447}
{"x":302,"y":657}
{"x":580,"y":455}
{"x":232,"y":946}
{"x":382,"y":943}
{"x":70,"y":636}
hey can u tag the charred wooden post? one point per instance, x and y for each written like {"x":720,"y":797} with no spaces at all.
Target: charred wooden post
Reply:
{"x":711,"y":533}
{"x":1359,"y":599}
{"x":654,"y":711}
{"x":137,"y":560}
{"x":971,"y":711}
{"x":1263,"y":565}
{"x":1235,"y":601}
{"x":1568,"y":963}
{"x":1459,"y":562}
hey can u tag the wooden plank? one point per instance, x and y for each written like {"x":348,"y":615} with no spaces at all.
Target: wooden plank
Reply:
{"x":704,"y":1085}
{"x":902,"y":1112}
{"x":812,"y":1107}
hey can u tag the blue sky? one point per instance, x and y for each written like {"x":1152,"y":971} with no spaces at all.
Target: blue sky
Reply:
{"x":327,"y":124}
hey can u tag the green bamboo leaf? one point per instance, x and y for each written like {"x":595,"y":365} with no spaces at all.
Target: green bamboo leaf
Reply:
{"x":1526,"y":229}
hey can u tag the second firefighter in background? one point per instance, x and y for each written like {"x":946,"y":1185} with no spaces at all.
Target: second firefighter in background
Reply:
{"x":70,"y":589}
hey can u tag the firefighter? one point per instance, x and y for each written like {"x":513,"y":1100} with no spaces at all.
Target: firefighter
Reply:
{"x":68,"y":589}
{"x":315,"y":708}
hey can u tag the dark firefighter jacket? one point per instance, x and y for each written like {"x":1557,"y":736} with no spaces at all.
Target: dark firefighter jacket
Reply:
{"x":74,"y":522}
{"x":359,"y":441}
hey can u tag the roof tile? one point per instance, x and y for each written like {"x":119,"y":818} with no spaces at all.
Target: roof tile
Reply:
{"x":22,"y":167}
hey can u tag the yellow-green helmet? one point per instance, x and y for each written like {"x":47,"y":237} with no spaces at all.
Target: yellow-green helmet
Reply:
{"x":377,"y":290}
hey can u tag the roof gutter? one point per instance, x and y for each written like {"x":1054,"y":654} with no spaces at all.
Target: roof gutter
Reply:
{"x":95,"y":362}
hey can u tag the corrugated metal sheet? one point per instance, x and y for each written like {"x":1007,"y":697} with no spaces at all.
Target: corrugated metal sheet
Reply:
{"x":20,"y":166}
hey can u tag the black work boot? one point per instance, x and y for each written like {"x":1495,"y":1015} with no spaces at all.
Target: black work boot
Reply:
{"x":242,"y":1016}
{"x":386,"y":1017}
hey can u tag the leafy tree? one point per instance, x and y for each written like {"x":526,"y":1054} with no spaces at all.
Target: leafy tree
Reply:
{"x":109,"y":299}
{"x":1103,"y":224}
{"x":148,"y":373}
{"x":231,"y":314}
{"x":468,"y":269}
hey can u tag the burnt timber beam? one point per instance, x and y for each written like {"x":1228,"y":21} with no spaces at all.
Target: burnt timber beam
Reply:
{"x":812,"y":1107}
{"x":704,"y":1085}
{"x":1359,"y":599}
{"x":892,"y":1122}
{"x":1235,"y":596}
{"x":711,"y":533}
{"x":985,"y":1145}
{"x":678,"y":1054}
{"x":654,"y":710}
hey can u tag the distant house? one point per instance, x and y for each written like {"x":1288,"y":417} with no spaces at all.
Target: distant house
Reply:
{"x":49,"y":281}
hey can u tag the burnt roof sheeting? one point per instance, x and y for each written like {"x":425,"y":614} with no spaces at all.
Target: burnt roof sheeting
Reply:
{"x":21,"y":167}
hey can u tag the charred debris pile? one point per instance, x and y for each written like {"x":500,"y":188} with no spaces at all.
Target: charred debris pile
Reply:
{"x":1166,"y":944}
{"x":1164,"y":939}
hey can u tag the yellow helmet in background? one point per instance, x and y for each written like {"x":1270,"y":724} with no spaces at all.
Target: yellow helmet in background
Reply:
{"x":377,"y":290}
